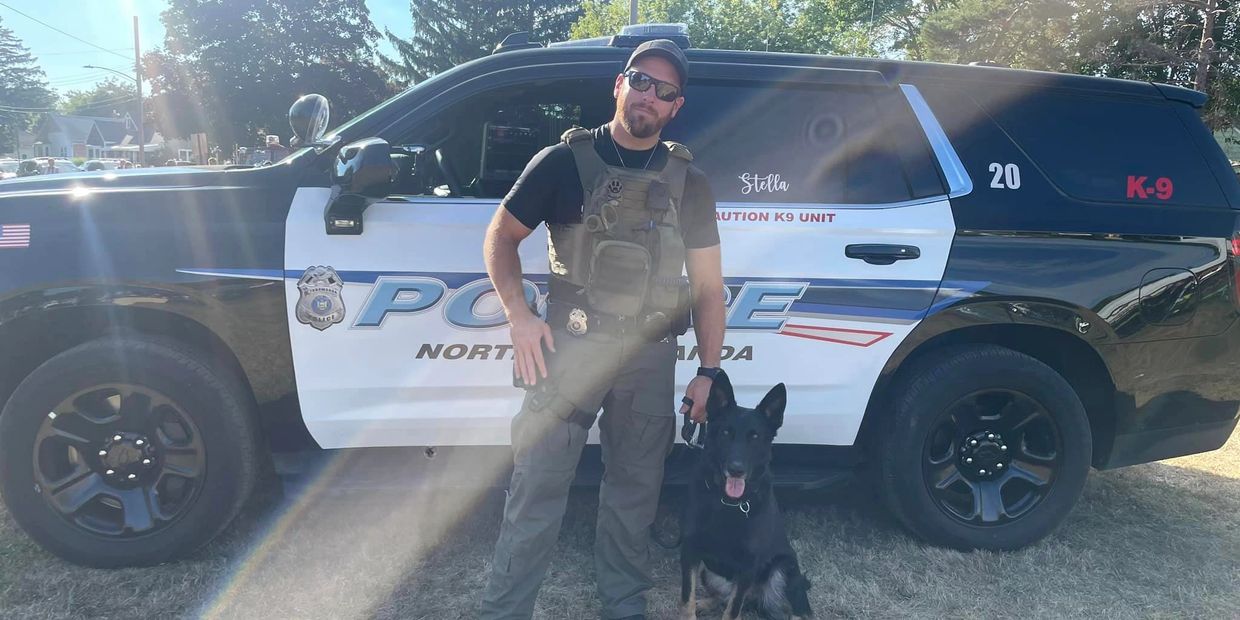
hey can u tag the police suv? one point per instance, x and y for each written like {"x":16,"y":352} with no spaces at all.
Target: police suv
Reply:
{"x":977,"y":283}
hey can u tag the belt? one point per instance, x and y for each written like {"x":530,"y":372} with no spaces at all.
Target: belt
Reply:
{"x":580,"y":320}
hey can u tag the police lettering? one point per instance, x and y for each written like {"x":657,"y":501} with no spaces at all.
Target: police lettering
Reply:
{"x":759,"y":306}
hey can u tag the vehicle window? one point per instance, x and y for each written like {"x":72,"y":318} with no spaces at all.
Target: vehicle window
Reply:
{"x":478,"y":147}
{"x":805,"y":144}
{"x":1108,"y":149}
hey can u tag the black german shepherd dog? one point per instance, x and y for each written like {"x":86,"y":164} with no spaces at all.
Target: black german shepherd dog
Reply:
{"x":733,"y":538}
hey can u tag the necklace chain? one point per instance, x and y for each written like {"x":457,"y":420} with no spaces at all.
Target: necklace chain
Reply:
{"x":617,"y":149}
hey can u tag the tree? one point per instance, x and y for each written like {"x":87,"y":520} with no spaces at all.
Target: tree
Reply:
{"x":235,"y":66}
{"x":805,"y":26}
{"x":1190,"y":43}
{"x":447,"y":33}
{"x":111,"y":97}
{"x":23,"y":88}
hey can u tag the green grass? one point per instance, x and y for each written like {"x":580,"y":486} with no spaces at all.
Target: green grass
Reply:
{"x":1153,"y":541}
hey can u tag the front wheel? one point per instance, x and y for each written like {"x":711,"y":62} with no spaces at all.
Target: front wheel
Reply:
{"x":985,"y":448}
{"x":126,"y":451}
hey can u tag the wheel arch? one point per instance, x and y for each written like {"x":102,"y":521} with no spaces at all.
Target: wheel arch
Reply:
{"x":38,"y":325}
{"x":1050,"y":342}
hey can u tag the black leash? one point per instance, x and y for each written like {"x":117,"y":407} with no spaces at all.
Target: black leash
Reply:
{"x":693,"y":444}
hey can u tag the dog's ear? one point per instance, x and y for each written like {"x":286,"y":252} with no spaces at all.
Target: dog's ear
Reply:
{"x":772,"y":406}
{"x":721,"y":396}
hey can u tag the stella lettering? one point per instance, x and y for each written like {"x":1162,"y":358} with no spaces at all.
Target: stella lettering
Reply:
{"x":757,"y":184}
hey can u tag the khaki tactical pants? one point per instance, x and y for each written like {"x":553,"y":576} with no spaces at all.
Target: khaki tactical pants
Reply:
{"x":633,"y":382}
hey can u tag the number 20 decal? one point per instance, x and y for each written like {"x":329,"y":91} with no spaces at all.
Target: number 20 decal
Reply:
{"x":1006,"y":176}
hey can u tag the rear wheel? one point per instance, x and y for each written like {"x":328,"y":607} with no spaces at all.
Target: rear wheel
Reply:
{"x":986,"y":448}
{"x":127,"y":451}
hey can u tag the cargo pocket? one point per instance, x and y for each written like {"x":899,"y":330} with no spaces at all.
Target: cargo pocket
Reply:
{"x":651,"y":377}
{"x":582,"y":368}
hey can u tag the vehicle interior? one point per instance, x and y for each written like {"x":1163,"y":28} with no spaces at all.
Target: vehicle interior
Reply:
{"x":477,"y":148}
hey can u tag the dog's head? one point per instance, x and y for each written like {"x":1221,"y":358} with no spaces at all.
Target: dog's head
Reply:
{"x":738,"y":439}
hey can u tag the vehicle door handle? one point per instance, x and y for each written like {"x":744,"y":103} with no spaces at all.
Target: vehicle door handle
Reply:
{"x":881,"y":253}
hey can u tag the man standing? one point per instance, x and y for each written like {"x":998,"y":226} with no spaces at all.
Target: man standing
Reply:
{"x":626,"y":215}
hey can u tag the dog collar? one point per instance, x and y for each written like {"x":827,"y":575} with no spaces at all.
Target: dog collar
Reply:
{"x":742,"y":505}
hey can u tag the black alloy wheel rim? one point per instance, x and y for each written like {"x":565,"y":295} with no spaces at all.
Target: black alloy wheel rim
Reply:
{"x":991,"y":457}
{"x":119,"y":460}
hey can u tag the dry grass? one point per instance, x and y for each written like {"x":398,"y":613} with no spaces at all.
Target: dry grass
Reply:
{"x":1158,"y":540}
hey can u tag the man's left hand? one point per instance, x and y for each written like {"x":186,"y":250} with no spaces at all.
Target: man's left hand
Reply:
{"x":697,"y":391}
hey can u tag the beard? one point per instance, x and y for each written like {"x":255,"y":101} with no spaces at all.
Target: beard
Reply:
{"x":644,"y":125}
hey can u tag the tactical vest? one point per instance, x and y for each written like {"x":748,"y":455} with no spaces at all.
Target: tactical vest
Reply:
{"x":626,"y":256}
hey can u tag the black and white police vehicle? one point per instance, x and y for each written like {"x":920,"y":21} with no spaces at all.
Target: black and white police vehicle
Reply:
{"x":977,"y":283}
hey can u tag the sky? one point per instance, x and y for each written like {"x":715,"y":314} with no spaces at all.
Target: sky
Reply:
{"x":109,"y":25}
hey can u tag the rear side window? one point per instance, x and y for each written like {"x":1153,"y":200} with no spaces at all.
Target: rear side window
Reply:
{"x":797,"y":144}
{"x":1108,"y":149}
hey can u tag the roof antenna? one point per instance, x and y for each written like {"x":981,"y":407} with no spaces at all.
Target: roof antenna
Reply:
{"x":869,"y":33}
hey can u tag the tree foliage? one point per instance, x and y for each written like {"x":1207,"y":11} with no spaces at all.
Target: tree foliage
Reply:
{"x":23,"y":87}
{"x":447,"y":33}
{"x":111,"y":97}
{"x":1131,"y":39}
{"x":235,"y":66}
{"x":804,"y":26}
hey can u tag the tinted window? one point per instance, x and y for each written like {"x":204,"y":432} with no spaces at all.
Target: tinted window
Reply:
{"x":770,"y":143}
{"x":1108,"y":149}
{"x":478,"y":147}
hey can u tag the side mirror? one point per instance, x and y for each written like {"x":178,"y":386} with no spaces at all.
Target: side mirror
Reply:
{"x":363,"y":175}
{"x":308,"y":117}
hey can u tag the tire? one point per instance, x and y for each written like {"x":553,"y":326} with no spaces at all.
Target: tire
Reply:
{"x":931,"y":470}
{"x":151,"y":452}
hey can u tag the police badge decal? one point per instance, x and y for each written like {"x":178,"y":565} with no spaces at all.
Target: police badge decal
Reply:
{"x":320,"y":305}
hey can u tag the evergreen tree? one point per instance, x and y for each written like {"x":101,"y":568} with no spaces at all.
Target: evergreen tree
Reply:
{"x":23,"y":89}
{"x":447,"y":33}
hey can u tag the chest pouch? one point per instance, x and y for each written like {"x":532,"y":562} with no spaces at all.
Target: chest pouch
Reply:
{"x":619,"y":273}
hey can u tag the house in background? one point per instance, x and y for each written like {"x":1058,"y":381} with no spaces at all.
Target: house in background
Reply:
{"x":24,"y":146}
{"x":100,"y":137}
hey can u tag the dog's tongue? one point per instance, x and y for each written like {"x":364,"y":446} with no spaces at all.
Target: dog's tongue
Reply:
{"x":734,"y":487}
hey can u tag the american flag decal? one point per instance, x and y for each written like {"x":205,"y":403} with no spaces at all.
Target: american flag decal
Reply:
{"x":14,"y":235}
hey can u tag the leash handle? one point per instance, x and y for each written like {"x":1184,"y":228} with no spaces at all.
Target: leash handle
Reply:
{"x":689,"y":428}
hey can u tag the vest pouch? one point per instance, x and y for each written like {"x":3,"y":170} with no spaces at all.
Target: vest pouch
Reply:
{"x":666,"y":280}
{"x":619,"y":274}
{"x":680,"y":317}
{"x":568,"y":252}
{"x":658,"y":197}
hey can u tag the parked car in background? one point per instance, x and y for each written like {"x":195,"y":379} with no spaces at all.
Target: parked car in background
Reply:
{"x":8,"y":169}
{"x":103,"y":164}
{"x":29,"y":168}
{"x":65,"y":165}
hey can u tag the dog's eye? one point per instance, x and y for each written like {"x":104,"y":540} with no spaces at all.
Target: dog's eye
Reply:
{"x":753,"y":435}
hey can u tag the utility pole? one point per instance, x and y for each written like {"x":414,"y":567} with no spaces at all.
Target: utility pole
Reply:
{"x":632,"y":11}
{"x":137,"y":69}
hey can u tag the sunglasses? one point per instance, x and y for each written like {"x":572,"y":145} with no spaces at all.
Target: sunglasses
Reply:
{"x":641,"y":82}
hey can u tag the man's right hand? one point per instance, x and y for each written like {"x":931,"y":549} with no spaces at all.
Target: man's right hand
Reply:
{"x":528,"y":332}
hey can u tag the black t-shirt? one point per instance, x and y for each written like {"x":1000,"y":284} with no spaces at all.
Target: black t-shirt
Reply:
{"x":549,"y":189}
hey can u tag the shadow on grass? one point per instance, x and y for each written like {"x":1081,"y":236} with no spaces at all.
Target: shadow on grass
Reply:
{"x":1150,"y":541}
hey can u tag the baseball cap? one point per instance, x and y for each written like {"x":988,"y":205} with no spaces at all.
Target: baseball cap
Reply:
{"x":665,"y":49}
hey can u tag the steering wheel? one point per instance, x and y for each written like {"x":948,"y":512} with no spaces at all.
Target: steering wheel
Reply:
{"x":449,"y":173}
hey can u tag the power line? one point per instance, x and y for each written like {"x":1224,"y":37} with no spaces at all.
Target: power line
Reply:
{"x":115,"y":49}
{"x":99,"y":47}
{"x":91,"y":104}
